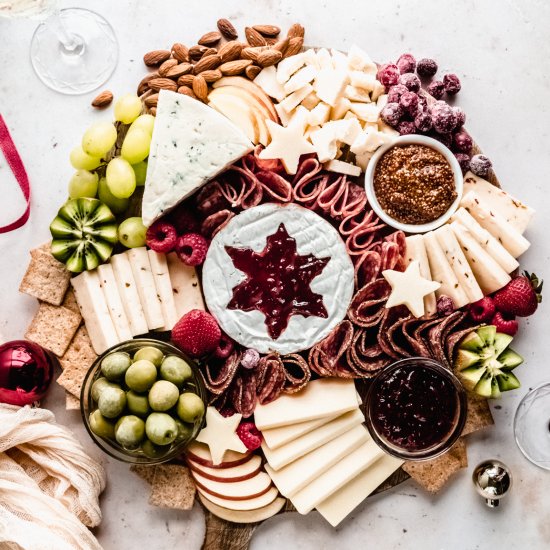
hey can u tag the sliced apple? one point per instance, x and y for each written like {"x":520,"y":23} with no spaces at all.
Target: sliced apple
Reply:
{"x":243,"y":516}
{"x":238,"y":490}
{"x":249,"y":504}
{"x":199,"y":453}
{"x":240,"y":472}
{"x":238,"y":112}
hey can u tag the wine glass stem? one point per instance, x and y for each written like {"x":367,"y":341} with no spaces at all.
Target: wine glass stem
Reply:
{"x":71,"y":43}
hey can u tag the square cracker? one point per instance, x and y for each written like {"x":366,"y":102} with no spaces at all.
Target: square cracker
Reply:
{"x":72,"y":403}
{"x":53,"y":327}
{"x":478,"y":414}
{"x":433,"y":474}
{"x":69,"y":301}
{"x":172,"y":487}
{"x":45,"y":278}
{"x":146,"y":473}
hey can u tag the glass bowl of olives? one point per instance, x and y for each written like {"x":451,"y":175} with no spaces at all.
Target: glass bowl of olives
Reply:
{"x":143,"y":401}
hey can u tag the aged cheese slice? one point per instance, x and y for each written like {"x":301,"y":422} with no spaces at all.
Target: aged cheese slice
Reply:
{"x":299,"y":79}
{"x":286,"y":454}
{"x":443,"y":273}
{"x":341,"y":503}
{"x":458,"y":262}
{"x":342,"y":167}
{"x":267,"y":81}
{"x":511,"y":209}
{"x":291,"y":101}
{"x":330,"y":83}
{"x":163,"y":285}
{"x":489,"y":275}
{"x":490,"y":219}
{"x":243,"y":516}
{"x":320,"y":398}
{"x":417,"y":251}
{"x":294,"y":477}
{"x":191,"y":144}
{"x":288,"y":66}
{"x":248,"y":504}
{"x":185,"y":286}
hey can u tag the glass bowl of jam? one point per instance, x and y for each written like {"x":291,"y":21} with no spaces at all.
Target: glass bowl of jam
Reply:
{"x":415,"y":409}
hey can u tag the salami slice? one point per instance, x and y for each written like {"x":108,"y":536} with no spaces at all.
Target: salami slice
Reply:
{"x":213,"y":223}
{"x":408,"y":329}
{"x":389,"y":317}
{"x":397,"y":339}
{"x":436,"y":336}
{"x":218,"y":376}
{"x":367,"y":268}
{"x":389,"y":253}
{"x":297,"y":373}
{"x":421,"y":335}
{"x":241,"y":188}
{"x":243,"y":393}
{"x":307,"y":182}
{"x":325,"y":356}
{"x":271,"y":378}
{"x":454,"y":339}
{"x":274,"y":186}
{"x":367,"y":306}
{"x":363,"y":218}
{"x":331,"y":194}
{"x":365,"y":356}
{"x":210,"y":199}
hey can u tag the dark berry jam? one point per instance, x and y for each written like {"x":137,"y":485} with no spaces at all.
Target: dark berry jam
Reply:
{"x":277,"y":282}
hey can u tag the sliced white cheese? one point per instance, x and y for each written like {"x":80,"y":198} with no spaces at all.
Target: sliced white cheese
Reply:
{"x":299,"y":118}
{"x":141,"y":269}
{"x":95,"y":311}
{"x":186,"y":287}
{"x":267,"y":81}
{"x":417,"y":251}
{"x":357,"y":94}
{"x":324,"y":142}
{"x":458,"y":262}
{"x":369,"y":112}
{"x":310,"y":101}
{"x":340,"y":108}
{"x":284,"y":117}
{"x":379,"y":90}
{"x":365,"y":81}
{"x":330,"y":83}
{"x":339,"y":59}
{"x":489,"y":275}
{"x":163,"y":284}
{"x":288,"y":66}
{"x":368,"y":141}
{"x":319,"y":114}
{"x":342,"y":168}
{"x":291,"y":101}
{"x":362,"y":160}
{"x":299,"y":79}
{"x":324,"y":59}
{"x":359,"y":60}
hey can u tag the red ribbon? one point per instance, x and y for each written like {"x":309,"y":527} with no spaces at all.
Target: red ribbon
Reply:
{"x":16,"y":164}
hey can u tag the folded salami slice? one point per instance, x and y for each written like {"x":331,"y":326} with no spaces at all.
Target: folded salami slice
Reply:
{"x":365,"y":356}
{"x":331,"y":194}
{"x":409,"y":329}
{"x":367,"y":306}
{"x":218,"y":376}
{"x":364,"y":218}
{"x":274,"y":186}
{"x":215,"y":222}
{"x":454,"y":339}
{"x":397,"y":339}
{"x":389,"y":317}
{"x":210,"y":199}
{"x":243,"y":393}
{"x":327,"y":358}
{"x":240,"y":188}
{"x":307,"y":183}
{"x":362,"y":237}
{"x":270,"y":378}
{"x":437,"y":333}
{"x":367,"y":268}
{"x":297,"y":372}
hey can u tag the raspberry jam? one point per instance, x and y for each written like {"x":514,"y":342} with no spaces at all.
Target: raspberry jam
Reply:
{"x":277,"y":282}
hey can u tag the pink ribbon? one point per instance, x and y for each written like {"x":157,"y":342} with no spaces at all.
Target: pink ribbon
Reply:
{"x":16,"y":165}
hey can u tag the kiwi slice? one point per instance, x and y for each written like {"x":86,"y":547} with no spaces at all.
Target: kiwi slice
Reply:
{"x":484,"y":362}
{"x":84,"y":233}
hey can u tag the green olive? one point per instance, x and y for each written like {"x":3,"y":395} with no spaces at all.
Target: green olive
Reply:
{"x":154,"y":451}
{"x":101,"y":426}
{"x":138,"y":404}
{"x":115,"y":365}
{"x":130,"y":431}
{"x":163,"y":395}
{"x":185,"y":431}
{"x":161,"y":428}
{"x":112,"y":401}
{"x":190,"y":407}
{"x":98,"y":386}
{"x":141,"y":375}
{"x":150,"y":353}
{"x":175,"y":370}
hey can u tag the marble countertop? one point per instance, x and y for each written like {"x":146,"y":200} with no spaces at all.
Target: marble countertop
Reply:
{"x":500,"y":50}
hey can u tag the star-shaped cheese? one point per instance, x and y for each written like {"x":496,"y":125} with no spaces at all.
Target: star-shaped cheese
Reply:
{"x":220,"y":434}
{"x":409,"y":288}
{"x":287,"y":144}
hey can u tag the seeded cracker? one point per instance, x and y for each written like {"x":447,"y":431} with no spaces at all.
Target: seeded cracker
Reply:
{"x":146,"y":473}
{"x":71,"y":402}
{"x":53,"y":328}
{"x":478,"y":415}
{"x":172,"y":487}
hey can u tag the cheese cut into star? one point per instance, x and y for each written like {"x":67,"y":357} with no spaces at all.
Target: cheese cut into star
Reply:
{"x":409,"y":288}
{"x":220,"y":435}
{"x":287,"y":144}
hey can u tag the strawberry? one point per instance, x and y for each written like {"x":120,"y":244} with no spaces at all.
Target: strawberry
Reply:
{"x":520,"y":296}
{"x":249,"y":435}
{"x":483,"y":310}
{"x":505,"y":324}
{"x":197,"y":333}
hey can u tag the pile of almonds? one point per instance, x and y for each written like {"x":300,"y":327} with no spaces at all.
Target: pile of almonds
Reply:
{"x":219,"y":53}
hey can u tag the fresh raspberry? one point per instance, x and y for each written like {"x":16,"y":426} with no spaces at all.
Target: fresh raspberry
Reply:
{"x":392,"y":113}
{"x":426,"y":68}
{"x":436,"y":89}
{"x":464,"y":161}
{"x":443,"y":118}
{"x":250,"y":359}
{"x":423,"y":121}
{"x":191,"y":249}
{"x":225,"y":347}
{"x":161,"y":237}
{"x":395,"y":93}
{"x":521,"y":296}
{"x":452,"y":84}
{"x":388,"y":74}
{"x":184,"y":219}
{"x":409,"y":103}
{"x":197,"y":333}
{"x":505,"y":323}
{"x":406,"y":127}
{"x":406,"y":63}
{"x":445,"y":305}
{"x":249,"y":435}
{"x":480,"y":165}
{"x":226,"y":412}
{"x":410,"y":81}
{"x":460,"y":117}
{"x":483,"y":310}
{"x":462,"y":142}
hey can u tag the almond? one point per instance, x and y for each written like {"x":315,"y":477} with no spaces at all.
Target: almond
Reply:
{"x":210,"y":38}
{"x":211,"y":75}
{"x":269,"y":57}
{"x":252,"y":71}
{"x":143,"y":86}
{"x":296,"y":31}
{"x":196,"y":52}
{"x":232,"y":68}
{"x":160,"y":83}
{"x":281,"y":45}
{"x":253,"y":37}
{"x":227,"y":29}
{"x":166,"y":66}
{"x":267,"y":30}
{"x":294,"y":46}
{"x":156,"y":57}
{"x":253,"y":53}
{"x":271,"y":40}
{"x":179,"y":70}
{"x":230,"y":51}
{"x":206,"y":63}
{"x":200,"y":87}
{"x":186,"y":90}
{"x":152,"y":100}
{"x":103,"y":99}
{"x":186,"y":80}
{"x":180,"y":52}
{"x":153,"y":111}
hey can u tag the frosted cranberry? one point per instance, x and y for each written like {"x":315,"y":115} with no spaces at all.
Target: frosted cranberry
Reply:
{"x":388,"y":74}
{"x":410,"y":81}
{"x":452,"y":84}
{"x":460,"y":117}
{"x":406,"y":63}
{"x":391,"y":114}
{"x":409,"y":103}
{"x":464,"y":161}
{"x":422,"y":102}
{"x":445,"y":305}
{"x":462,"y":142}
{"x":443,"y":118}
{"x":395,"y":93}
{"x":436,"y":89}
{"x":406,"y":127}
{"x":426,"y":67}
{"x":446,"y":139}
{"x":480,"y":165}
{"x":423,"y":121}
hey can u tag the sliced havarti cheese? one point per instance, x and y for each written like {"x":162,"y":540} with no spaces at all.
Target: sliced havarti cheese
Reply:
{"x":200,"y":454}
{"x":245,"y":489}
{"x":416,"y":250}
{"x":185,"y":285}
{"x":300,"y":78}
{"x":342,"y":167}
{"x":229,"y":474}
{"x":329,"y":84}
{"x":244,"y":516}
{"x":163,"y":284}
{"x":266,"y":79}
{"x":248,"y":504}
{"x":290,"y":102}
{"x":288,"y":66}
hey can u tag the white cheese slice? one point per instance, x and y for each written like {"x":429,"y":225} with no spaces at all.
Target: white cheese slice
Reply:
{"x":368,"y":141}
{"x":382,"y":101}
{"x":443,"y":273}
{"x":320,"y":398}
{"x":294,"y":477}
{"x":299,"y":118}
{"x":290,"y":102}
{"x":486,"y":240}
{"x":489,"y":275}
{"x":163,"y":284}
{"x":357,"y":94}
{"x":281,"y":457}
{"x":340,"y":108}
{"x":511,"y":209}
{"x":284,"y":117}
{"x":330,"y":84}
{"x":346,"y":130}
{"x":387,"y":129}
{"x":490,"y":219}
{"x":299,"y":79}
{"x":369,"y":112}
{"x":319,"y":114}
{"x":359,"y":60}
{"x":310,"y":101}
{"x":325,"y":143}
{"x":95,"y":311}
{"x":365,"y":81}
{"x":141,"y":269}
{"x":186,"y":287}
{"x":127,"y":288}
{"x":288,"y":66}
{"x":267,"y":81}
{"x":191,"y":144}
{"x":324,"y":59}
{"x":379,"y":90}
{"x":310,"y":130}
{"x":339,"y":59}
{"x":342,"y":168}
{"x":114,"y":302}
{"x":362,"y":160}
{"x":341,"y":503}
{"x":458,"y":262}
{"x":336,"y":477}
{"x":416,"y":251}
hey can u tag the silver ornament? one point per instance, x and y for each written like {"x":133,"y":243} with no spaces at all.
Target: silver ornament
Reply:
{"x":492,"y":480}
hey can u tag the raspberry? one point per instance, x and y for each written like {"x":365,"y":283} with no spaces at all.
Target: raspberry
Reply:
{"x":249,"y":435}
{"x":184,"y":220}
{"x":483,"y":310}
{"x":226,"y":412}
{"x":452,"y":84}
{"x":410,"y":81}
{"x":391,"y":114}
{"x":443,"y":118}
{"x":250,"y":359}
{"x":388,"y":74}
{"x":409,"y":103}
{"x":460,"y":117}
{"x":436,"y":89}
{"x":480,"y":165}
{"x":197,"y":333}
{"x":192,"y":248}
{"x":161,"y":237}
{"x":225,"y":347}
{"x":406,"y":127}
{"x":464,"y":161}
{"x":445,"y":305}
{"x":426,"y":67}
{"x":395,"y":93}
{"x":406,"y":63}
{"x":504,"y":323}
{"x":423,"y":121}
{"x":462,"y":142}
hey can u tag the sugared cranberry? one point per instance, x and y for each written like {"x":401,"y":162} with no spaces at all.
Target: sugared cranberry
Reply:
{"x":406,"y":63}
{"x":410,"y":81}
{"x":392,"y":113}
{"x":423,"y":121}
{"x":409,"y":103}
{"x":480,"y":165}
{"x":436,"y":89}
{"x":443,"y":118}
{"x":452,"y":84}
{"x":462,"y":142}
{"x":446,"y":139}
{"x":395,"y":93}
{"x":388,"y":74}
{"x":464,"y":161}
{"x":445,"y":305}
{"x":426,"y":67}
{"x":460,"y":117}
{"x":406,"y":127}
{"x":250,"y":358}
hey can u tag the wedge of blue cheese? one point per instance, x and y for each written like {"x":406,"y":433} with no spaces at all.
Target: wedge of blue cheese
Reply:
{"x":191,"y":144}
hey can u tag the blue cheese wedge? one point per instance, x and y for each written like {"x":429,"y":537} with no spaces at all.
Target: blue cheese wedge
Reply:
{"x":191,"y":144}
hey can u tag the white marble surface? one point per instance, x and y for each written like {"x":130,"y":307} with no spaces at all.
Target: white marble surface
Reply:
{"x":501,"y":51}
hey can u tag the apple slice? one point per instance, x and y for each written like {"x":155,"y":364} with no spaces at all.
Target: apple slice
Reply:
{"x":239,"y":490}
{"x":240,"y":472}
{"x":243,"y":516}
{"x":238,"y":112}
{"x":199,"y":453}
{"x":250,"y":504}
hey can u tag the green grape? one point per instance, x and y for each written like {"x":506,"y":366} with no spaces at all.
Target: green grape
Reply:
{"x":144,"y":122}
{"x":140,"y":170}
{"x":121,"y":178}
{"x":131,"y":232}
{"x":135,"y":146}
{"x":83,"y":184}
{"x":82,"y":161}
{"x":99,"y":138}
{"x":128,"y":108}
{"x":116,"y":205}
